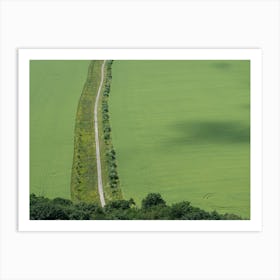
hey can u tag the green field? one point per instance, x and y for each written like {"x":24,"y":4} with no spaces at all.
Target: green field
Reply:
{"x":55,"y":89}
{"x":182,"y":128}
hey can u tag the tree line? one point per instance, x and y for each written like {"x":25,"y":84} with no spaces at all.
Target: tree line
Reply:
{"x":110,"y":153}
{"x":153,"y":207}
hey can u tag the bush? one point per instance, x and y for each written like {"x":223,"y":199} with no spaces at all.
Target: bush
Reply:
{"x":179,"y":210}
{"x":152,"y":199}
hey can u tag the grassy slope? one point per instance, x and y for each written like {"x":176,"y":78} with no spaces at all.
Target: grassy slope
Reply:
{"x":55,"y":88}
{"x":84,"y":172}
{"x":181,"y":128}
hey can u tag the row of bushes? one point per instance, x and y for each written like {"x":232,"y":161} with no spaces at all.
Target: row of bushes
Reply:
{"x":153,"y":207}
{"x":109,"y":150}
{"x":84,"y":172}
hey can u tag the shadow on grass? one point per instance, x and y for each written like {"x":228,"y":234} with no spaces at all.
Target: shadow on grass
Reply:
{"x":212,"y":132}
{"x":222,"y":65}
{"x":246,"y":106}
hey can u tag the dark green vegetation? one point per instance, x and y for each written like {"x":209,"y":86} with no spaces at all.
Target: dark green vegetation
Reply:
{"x":182,"y":128}
{"x":84,"y":172}
{"x":153,"y":208}
{"x":55,"y":88}
{"x":108,"y":154}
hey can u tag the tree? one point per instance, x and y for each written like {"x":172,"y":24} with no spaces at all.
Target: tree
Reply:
{"x":180,"y":210}
{"x":48,"y":211}
{"x":117,"y":204}
{"x":62,"y":201}
{"x":151,"y":200}
{"x":153,"y":208}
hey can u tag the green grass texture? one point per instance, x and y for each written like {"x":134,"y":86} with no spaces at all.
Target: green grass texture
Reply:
{"x":182,"y":128}
{"x":55,"y":89}
{"x":84,"y":172}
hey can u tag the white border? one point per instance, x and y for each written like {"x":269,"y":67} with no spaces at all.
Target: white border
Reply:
{"x":254,"y":55}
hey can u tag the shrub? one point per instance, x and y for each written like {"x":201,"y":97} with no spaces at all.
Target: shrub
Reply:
{"x":151,"y":200}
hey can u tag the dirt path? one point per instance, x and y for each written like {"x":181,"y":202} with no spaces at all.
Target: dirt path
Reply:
{"x":98,"y":161}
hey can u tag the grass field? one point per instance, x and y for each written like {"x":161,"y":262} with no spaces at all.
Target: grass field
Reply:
{"x":55,"y":89}
{"x":181,"y":128}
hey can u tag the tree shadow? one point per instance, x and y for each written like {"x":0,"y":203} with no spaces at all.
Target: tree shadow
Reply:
{"x":222,"y":65}
{"x":246,"y":106}
{"x":203,"y":132}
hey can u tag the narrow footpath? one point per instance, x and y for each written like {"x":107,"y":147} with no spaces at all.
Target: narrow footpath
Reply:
{"x":98,"y":161}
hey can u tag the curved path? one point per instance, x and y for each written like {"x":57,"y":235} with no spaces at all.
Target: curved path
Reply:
{"x":98,"y":161}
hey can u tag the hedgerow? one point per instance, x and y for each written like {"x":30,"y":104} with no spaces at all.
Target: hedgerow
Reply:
{"x":110,"y":154}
